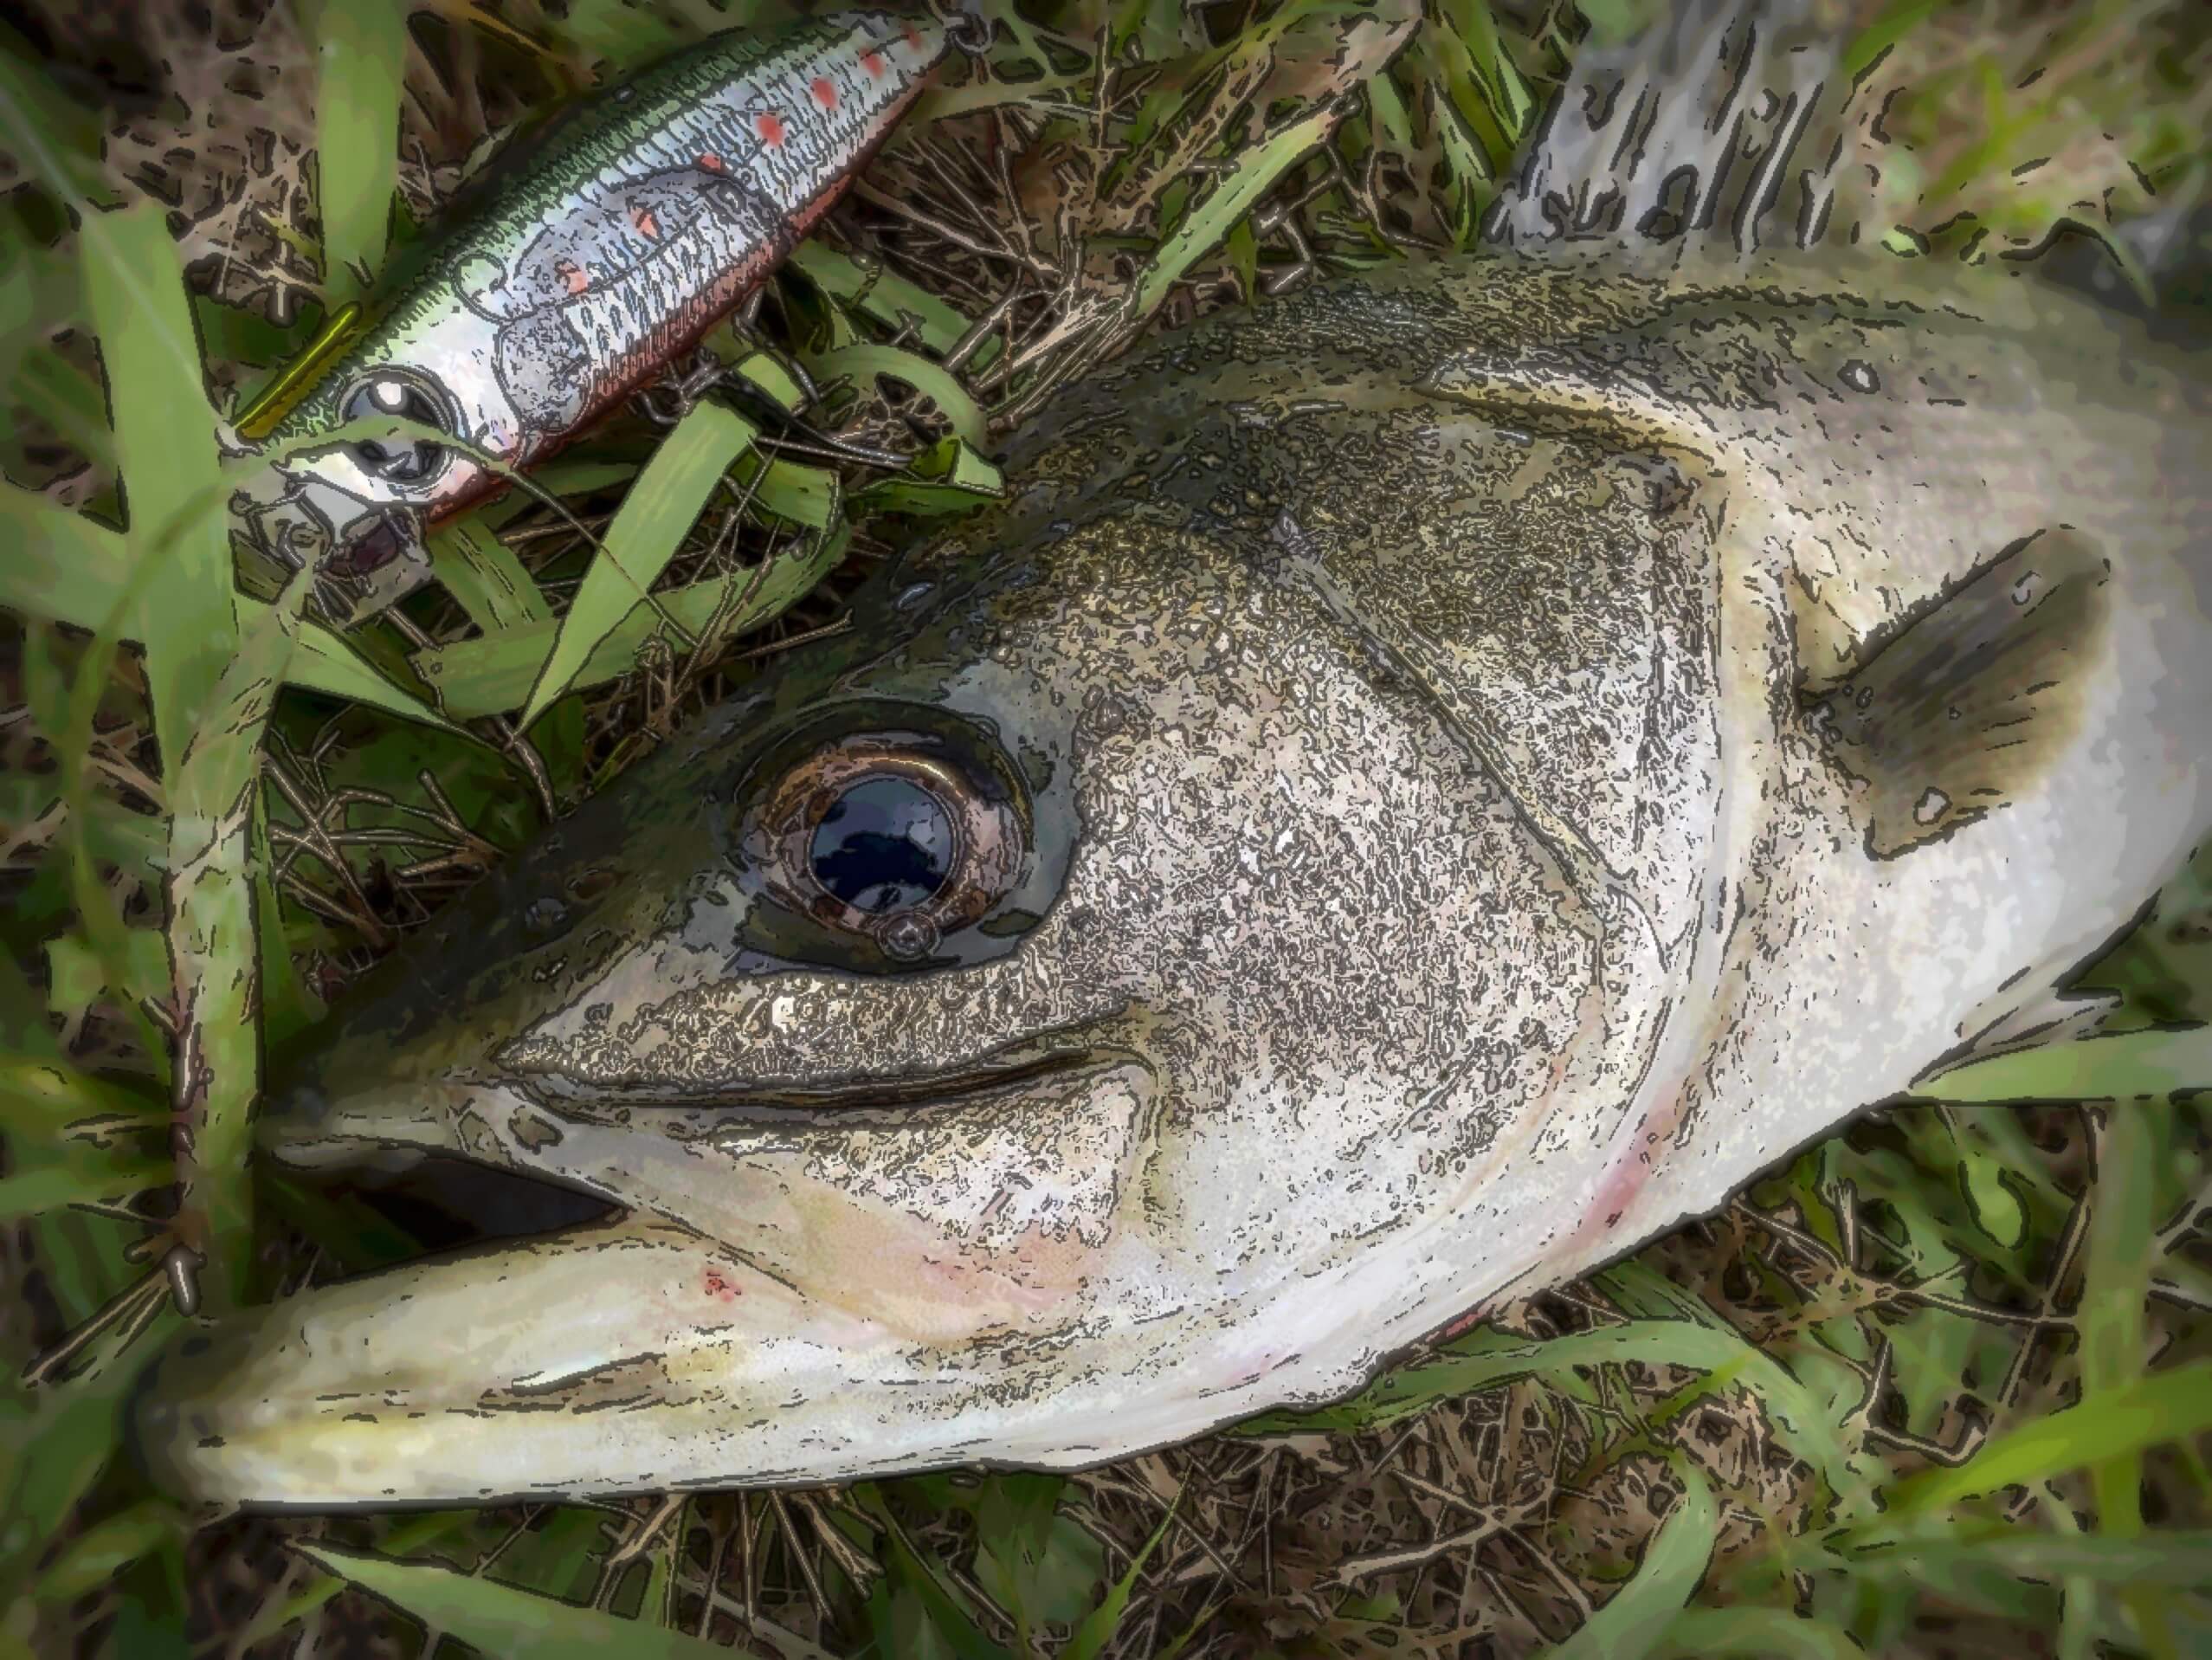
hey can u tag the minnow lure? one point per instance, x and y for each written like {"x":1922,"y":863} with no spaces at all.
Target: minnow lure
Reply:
{"x":592,"y":250}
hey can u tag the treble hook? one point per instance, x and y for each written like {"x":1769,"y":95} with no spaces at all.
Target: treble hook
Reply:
{"x":967,"y":30}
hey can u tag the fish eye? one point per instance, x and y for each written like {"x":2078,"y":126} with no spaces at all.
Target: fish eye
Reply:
{"x":885,"y":844}
{"x":403,"y":459}
{"x":896,"y":843}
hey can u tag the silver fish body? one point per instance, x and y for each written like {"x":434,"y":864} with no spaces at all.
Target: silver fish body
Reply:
{"x":1424,"y":786}
{"x":583,"y":260}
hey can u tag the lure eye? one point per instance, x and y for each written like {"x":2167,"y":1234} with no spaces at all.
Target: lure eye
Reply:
{"x":400,"y":460}
{"x":897,"y":845}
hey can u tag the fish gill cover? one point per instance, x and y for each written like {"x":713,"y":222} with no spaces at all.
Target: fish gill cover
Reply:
{"x":1933,"y":1385}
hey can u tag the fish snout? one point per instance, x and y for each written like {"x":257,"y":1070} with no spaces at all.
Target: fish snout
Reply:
{"x":794,"y":1292}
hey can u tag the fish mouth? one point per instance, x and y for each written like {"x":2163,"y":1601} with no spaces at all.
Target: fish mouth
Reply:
{"x":675,"y":1348}
{"x":312,"y":1126}
{"x":1004,"y":1069}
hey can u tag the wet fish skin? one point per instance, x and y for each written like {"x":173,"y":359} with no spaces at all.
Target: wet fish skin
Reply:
{"x":598,"y":246}
{"x":1485,"y":737}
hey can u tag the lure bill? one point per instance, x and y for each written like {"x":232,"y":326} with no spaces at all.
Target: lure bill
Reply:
{"x":593,"y":250}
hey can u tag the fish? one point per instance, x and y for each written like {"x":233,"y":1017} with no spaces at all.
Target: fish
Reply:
{"x":1420,"y":786}
{"x":597,"y":245}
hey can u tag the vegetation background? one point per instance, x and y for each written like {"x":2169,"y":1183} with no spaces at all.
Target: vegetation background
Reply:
{"x":1939,"y":1387}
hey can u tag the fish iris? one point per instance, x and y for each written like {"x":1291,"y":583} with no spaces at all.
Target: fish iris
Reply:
{"x":885,"y":844}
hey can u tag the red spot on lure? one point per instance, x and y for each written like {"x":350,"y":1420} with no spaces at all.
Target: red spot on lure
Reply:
{"x":583,"y":262}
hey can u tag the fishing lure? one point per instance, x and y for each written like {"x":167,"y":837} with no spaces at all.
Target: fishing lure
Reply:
{"x":595,"y":248}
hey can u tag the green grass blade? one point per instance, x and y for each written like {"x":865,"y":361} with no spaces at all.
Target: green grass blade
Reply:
{"x":765,"y":372}
{"x":949,"y":478}
{"x":560,"y":1556}
{"x":360,"y":49}
{"x":65,"y":567}
{"x":478,"y":677}
{"x":1257,"y":170}
{"x":61,"y":567}
{"x":215,"y":941}
{"x":499,"y":1619}
{"x":2162,"y":1060}
{"x":81,"y":1178}
{"x":1897,"y":20}
{"x":1473,"y":27}
{"x":210,"y":774}
{"x":46,"y":385}
{"x":61,"y":1436}
{"x":1460,"y":88}
{"x":625,"y":35}
{"x":43,"y":1088}
{"x":2114,"y":1332}
{"x":288,"y":1005}
{"x":247,"y":337}
{"x":917,"y":1571}
{"x":78,"y":975}
{"x":1474,"y":176}
{"x":2116,"y":1282}
{"x":1096,"y":1629}
{"x":172,"y":481}
{"x":657,"y":1602}
{"x":2180,"y":1558}
{"x":1631,"y":1624}
{"x":808,"y":496}
{"x":95,"y":1555}
{"x":1391,"y":116}
{"x":71,"y":713}
{"x":579,"y":475}
{"x":1487,"y":1359}
{"x":1040,"y":1566}
{"x":942,"y":103}
{"x":325,"y":662}
{"x":56,"y":138}
{"x":413,"y":1534}
{"x":1754,"y":1634}
{"x":648,"y":530}
{"x":888,"y":298}
{"x":1997,"y":1209}
{"x":485,"y":579}
{"x":2166,"y":1407}
{"x":866,"y":362}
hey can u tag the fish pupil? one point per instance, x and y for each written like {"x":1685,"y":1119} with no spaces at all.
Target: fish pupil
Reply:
{"x":885,"y":844}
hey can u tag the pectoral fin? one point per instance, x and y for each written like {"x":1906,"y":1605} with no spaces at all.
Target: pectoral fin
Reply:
{"x":1971,"y":702}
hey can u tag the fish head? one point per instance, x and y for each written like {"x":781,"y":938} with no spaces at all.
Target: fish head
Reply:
{"x":1081,"y":989}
